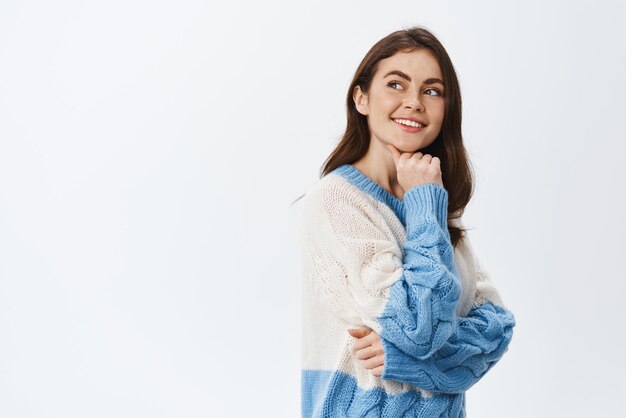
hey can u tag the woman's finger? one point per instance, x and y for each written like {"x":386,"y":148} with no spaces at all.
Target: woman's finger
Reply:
{"x":367,"y":352}
{"x":374,"y":362}
{"x":362,"y":343}
{"x":378,"y":371}
{"x":436,"y":162}
{"x":359,"y":332}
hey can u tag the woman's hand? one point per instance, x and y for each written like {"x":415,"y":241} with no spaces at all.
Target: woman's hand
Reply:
{"x":369,"y":349}
{"x":415,"y":169}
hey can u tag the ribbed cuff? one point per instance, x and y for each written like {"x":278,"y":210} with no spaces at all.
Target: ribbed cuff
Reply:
{"x":424,"y":202}
{"x":401,"y":367}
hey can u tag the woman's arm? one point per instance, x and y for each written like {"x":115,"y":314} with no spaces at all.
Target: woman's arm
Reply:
{"x":483,"y":336}
{"x":409,"y":297}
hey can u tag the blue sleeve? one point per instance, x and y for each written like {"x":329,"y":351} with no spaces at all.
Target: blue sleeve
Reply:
{"x":437,"y":350}
{"x":420,"y":315}
{"x":481,"y":339}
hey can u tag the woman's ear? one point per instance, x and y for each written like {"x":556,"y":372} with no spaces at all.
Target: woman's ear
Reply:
{"x":360,"y":101}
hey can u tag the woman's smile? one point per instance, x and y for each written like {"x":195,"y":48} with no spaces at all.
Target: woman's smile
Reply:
{"x":409,"y":125}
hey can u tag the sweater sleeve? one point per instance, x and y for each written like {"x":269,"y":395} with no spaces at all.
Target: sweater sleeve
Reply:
{"x":408,"y":295}
{"x":421,"y":313}
{"x":479,"y":342}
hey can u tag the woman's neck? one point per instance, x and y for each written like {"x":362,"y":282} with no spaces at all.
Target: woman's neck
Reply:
{"x":378,"y":165}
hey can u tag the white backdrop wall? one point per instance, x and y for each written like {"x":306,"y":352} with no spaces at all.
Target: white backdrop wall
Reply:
{"x":150,"y":150}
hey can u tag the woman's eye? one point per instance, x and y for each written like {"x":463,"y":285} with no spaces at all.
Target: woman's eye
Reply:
{"x":392,"y":84}
{"x":437,"y":92}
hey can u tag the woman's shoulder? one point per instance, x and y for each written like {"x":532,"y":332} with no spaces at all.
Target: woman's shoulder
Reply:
{"x":334,"y":198}
{"x":333,"y":205}
{"x":334,"y":191}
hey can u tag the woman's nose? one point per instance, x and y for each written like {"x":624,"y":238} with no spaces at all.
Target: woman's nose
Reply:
{"x":413,"y":102}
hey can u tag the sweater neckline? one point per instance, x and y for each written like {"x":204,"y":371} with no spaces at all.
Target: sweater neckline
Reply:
{"x":369,"y":186}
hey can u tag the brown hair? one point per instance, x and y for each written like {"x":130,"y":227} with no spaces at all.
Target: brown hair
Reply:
{"x":448,"y":146}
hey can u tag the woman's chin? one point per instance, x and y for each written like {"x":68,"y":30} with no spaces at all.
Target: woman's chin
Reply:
{"x":405,"y":147}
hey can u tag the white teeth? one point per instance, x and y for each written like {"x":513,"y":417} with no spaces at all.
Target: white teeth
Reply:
{"x":409,"y":123}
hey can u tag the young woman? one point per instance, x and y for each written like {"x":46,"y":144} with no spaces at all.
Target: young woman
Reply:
{"x":399,"y":317}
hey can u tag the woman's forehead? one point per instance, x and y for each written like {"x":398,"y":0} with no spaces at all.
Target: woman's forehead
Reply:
{"x":421,"y":63}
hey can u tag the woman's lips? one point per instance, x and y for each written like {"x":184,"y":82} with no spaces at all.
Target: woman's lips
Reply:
{"x":408,"y":128}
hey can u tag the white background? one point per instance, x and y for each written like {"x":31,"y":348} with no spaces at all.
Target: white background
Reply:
{"x":150,"y":150}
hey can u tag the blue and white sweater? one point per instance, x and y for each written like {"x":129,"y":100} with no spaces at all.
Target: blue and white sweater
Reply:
{"x":371,"y":259}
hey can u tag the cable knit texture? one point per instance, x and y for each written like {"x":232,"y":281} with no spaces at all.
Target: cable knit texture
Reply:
{"x":371,"y":259}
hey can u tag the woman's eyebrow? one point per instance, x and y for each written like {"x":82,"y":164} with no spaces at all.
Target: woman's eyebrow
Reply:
{"x":431,"y":80}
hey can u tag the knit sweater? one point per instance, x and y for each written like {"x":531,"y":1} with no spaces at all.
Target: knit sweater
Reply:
{"x":371,"y":259}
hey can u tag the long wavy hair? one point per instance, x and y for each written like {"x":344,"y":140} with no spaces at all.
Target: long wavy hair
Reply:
{"x":448,"y":146}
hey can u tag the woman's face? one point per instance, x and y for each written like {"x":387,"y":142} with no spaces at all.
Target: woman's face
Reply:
{"x":405,"y":104}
